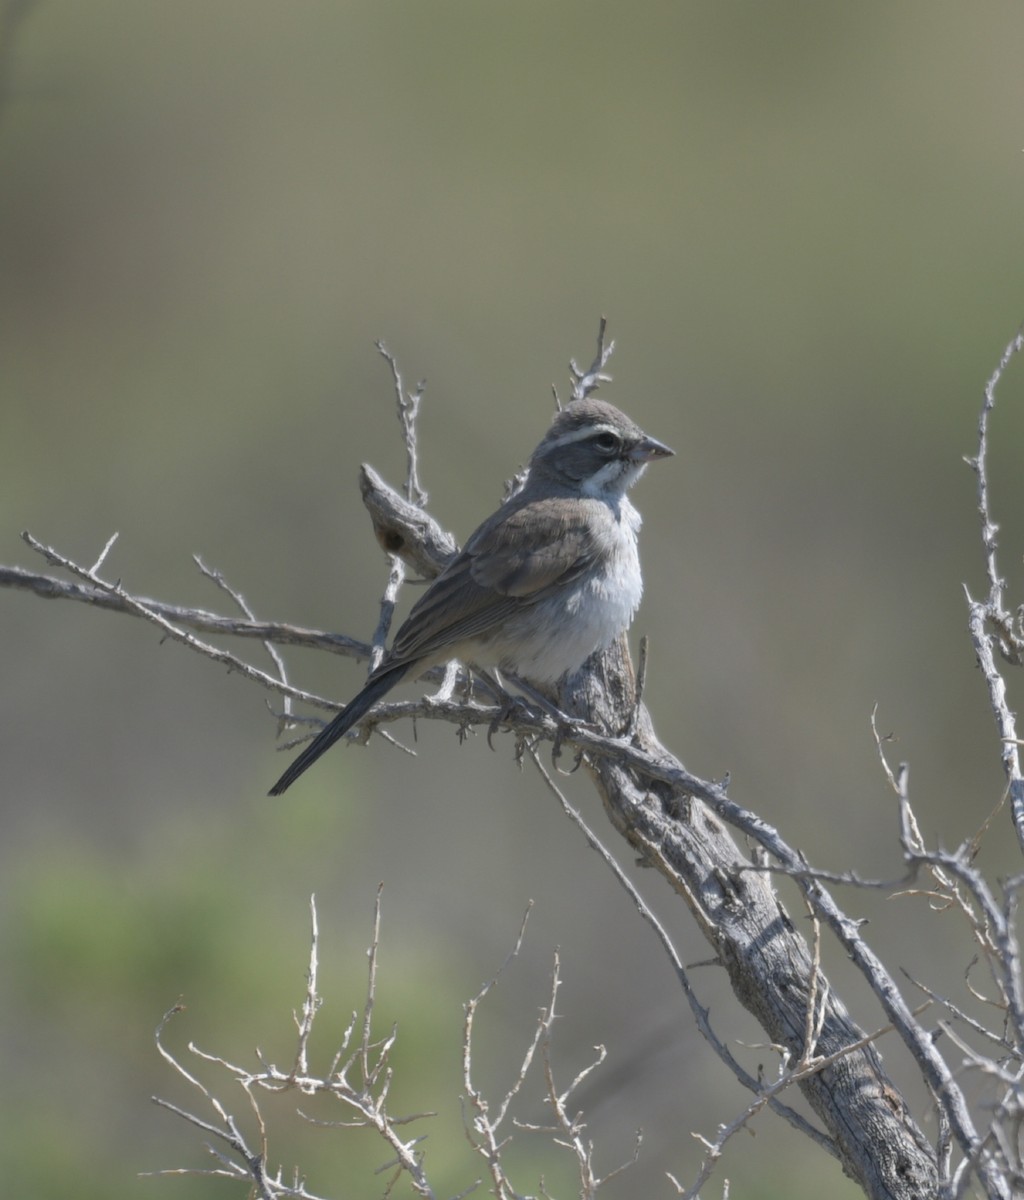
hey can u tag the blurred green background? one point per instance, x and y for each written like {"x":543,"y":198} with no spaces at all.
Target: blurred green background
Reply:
{"x":803,"y":221}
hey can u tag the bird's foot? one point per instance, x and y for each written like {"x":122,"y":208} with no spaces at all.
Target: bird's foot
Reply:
{"x":507,"y":708}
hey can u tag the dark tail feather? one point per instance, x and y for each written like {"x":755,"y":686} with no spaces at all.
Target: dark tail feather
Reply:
{"x":353,"y":712}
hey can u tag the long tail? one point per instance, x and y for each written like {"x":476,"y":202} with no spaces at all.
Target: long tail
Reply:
{"x":354,"y":711}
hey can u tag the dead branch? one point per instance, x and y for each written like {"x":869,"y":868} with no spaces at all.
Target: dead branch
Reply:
{"x":679,"y":825}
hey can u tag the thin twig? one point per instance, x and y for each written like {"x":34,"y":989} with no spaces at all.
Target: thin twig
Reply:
{"x":138,"y":608}
{"x":366,"y":1097}
{"x":585,"y":383}
{"x":408,"y":404}
{"x":311,"y":1001}
{"x":217,"y":577}
{"x":991,"y":612}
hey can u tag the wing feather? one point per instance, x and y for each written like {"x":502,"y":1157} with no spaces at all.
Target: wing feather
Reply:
{"x":515,"y":559}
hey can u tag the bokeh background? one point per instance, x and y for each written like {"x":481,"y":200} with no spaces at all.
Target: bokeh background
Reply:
{"x":803,"y":222}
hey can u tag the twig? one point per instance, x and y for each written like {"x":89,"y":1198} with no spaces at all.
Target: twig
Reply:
{"x":585,"y":383}
{"x":787,"y":1077}
{"x":217,"y":577}
{"x":139,"y":608}
{"x":367,"y":1097}
{"x":483,"y":1120}
{"x":408,"y":410}
{"x":990,"y":612}
{"x":311,"y":1002}
{"x":281,"y":633}
{"x":483,"y":1130}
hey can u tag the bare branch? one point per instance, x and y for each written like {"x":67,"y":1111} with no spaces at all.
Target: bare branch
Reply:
{"x":280,"y":633}
{"x":163,"y":616}
{"x":217,"y":577}
{"x":484,"y":1120}
{"x":701,"y":1014}
{"x":679,"y":824}
{"x":311,"y":1003}
{"x":408,"y":404}
{"x":585,"y":383}
{"x":403,"y":529}
{"x":366,"y":1097}
{"x":990,"y":613}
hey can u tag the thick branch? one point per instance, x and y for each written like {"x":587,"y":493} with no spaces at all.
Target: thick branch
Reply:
{"x":402,"y":528}
{"x":768,"y":962}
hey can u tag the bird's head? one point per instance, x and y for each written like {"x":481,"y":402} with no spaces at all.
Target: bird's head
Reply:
{"x":594,"y":447}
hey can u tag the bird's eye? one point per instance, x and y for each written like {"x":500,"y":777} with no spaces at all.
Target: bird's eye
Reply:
{"x":607,"y":443}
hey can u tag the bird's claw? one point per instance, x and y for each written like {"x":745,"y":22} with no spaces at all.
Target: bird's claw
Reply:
{"x":504,"y":714}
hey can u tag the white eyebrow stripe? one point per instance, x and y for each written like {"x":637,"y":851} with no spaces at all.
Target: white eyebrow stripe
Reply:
{"x":585,"y":431}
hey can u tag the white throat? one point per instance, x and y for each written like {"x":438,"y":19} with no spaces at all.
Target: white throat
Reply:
{"x":613,"y":480}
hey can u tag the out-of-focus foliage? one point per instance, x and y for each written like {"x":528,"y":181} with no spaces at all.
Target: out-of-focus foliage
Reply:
{"x":803,"y":222}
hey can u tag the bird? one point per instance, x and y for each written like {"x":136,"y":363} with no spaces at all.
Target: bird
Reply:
{"x":548,"y":579}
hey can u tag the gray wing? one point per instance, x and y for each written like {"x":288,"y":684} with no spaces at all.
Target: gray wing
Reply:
{"x":515,"y":559}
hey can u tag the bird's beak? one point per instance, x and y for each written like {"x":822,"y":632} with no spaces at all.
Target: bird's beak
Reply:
{"x":649,"y":449}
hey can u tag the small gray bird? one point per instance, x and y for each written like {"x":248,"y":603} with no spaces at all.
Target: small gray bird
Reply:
{"x":545,"y":581}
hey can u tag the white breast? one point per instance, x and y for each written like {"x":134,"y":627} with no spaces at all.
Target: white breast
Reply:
{"x":561,"y":633}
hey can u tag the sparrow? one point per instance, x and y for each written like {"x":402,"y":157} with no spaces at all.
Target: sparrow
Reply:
{"x":547,"y":580}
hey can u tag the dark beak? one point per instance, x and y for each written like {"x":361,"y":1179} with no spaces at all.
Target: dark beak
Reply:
{"x":649,"y":449}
